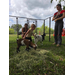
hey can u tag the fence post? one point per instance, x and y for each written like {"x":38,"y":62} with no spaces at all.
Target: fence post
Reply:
{"x":44,"y":26}
{"x":17,"y":27}
{"x":49,"y":27}
{"x":27,"y":21}
{"x":36,"y":25}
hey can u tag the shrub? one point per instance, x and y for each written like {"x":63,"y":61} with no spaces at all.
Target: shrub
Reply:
{"x":11,"y":31}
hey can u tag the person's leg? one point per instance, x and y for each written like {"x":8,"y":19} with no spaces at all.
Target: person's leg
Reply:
{"x":29,"y":38}
{"x":31,"y":41}
{"x":60,"y":27}
{"x":56,"y":33}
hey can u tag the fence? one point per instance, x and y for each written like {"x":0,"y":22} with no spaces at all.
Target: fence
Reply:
{"x":51,"y":26}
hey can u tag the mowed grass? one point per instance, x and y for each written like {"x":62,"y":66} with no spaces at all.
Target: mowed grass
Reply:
{"x":47,"y":59}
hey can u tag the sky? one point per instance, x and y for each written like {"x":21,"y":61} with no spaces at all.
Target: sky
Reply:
{"x":37,"y":9}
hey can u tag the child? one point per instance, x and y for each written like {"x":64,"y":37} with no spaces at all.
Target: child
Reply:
{"x":29,"y":33}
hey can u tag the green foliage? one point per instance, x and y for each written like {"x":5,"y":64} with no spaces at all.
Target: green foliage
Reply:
{"x":59,"y":2}
{"x":14,"y":26}
{"x":9,"y":26}
{"x":11,"y":31}
{"x":56,"y":0}
{"x":41,"y":29}
{"x":63,"y":7}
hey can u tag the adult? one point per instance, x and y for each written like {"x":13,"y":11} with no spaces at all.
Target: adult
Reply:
{"x":58,"y":18}
{"x":24,"y":29}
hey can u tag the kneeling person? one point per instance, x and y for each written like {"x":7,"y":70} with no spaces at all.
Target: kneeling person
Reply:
{"x":29,"y":33}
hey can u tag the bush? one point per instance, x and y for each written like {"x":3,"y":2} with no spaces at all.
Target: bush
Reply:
{"x":11,"y":31}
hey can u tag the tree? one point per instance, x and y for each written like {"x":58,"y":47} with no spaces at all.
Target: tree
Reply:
{"x":59,"y":2}
{"x":11,"y":31}
{"x":41,"y":29}
{"x":14,"y":26}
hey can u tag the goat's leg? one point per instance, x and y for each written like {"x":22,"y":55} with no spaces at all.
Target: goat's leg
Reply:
{"x":36,"y":42}
{"x":18,"y":48}
{"x":41,"y":42}
{"x":27,"y":48}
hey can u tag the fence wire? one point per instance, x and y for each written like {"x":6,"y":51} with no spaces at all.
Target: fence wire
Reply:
{"x":38,"y":22}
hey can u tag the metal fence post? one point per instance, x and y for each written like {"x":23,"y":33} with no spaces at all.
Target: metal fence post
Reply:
{"x":49,"y":27}
{"x":17,"y":27}
{"x":36,"y":25}
{"x":44,"y":26}
{"x":27,"y":21}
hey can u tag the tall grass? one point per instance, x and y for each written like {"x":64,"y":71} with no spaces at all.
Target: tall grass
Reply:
{"x":47,"y":59}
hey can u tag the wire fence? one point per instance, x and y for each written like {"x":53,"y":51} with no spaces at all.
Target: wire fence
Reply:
{"x":38,"y":22}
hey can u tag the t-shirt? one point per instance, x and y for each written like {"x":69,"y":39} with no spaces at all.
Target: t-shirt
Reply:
{"x":60,"y":14}
{"x":30,"y":33}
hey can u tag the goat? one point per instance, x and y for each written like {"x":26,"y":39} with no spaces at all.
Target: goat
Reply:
{"x":39,"y":38}
{"x":26,"y":42}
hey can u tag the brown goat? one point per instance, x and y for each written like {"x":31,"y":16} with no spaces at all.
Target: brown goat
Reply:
{"x":26,"y":42}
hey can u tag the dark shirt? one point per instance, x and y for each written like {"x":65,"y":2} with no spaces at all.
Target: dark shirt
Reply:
{"x":61,"y":13}
{"x":25,"y":30}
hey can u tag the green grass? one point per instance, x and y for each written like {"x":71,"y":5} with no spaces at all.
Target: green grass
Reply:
{"x":47,"y":59}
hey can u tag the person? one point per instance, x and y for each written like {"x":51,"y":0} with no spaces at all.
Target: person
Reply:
{"x":24,"y":29}
{"x":29,"y":33}
{"x":58,"y":18}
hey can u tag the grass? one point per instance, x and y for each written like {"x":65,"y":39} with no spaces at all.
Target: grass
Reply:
{"x":47,"y":59}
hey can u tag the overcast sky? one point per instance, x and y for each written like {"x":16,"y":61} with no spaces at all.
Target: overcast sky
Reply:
{"x":38,"y":9}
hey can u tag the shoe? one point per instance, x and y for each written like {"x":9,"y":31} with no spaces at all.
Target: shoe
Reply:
{"x":58,"y":45}
{"x":54,"y":43}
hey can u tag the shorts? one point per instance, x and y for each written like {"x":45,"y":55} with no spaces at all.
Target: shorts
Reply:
{"x":29,"y":38}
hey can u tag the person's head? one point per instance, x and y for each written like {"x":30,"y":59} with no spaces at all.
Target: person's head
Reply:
{"x":33,"y":26}
{"x":58,"y":6}
{"x":26,"y":25}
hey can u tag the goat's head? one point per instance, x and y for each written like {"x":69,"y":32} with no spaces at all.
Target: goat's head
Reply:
{"x":44,"y":34}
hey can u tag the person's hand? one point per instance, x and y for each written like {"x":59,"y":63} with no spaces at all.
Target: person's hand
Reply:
{"x":23,"y":37}
{"x":24,"y":32}
{"x":56,"y":20}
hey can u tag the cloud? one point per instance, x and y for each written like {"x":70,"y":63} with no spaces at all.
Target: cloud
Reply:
{"x":31,"y":8}
{"x":39,"y":9}
{"x":33,"y":4}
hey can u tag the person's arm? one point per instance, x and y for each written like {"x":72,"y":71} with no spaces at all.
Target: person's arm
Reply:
{"x":26,"y":34}
{"x":53,"y":18}
{"x":63,"y":16}
{"x":22,"y":31}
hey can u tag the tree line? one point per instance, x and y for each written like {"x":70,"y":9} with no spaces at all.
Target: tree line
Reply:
{"x":13,"y":29}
